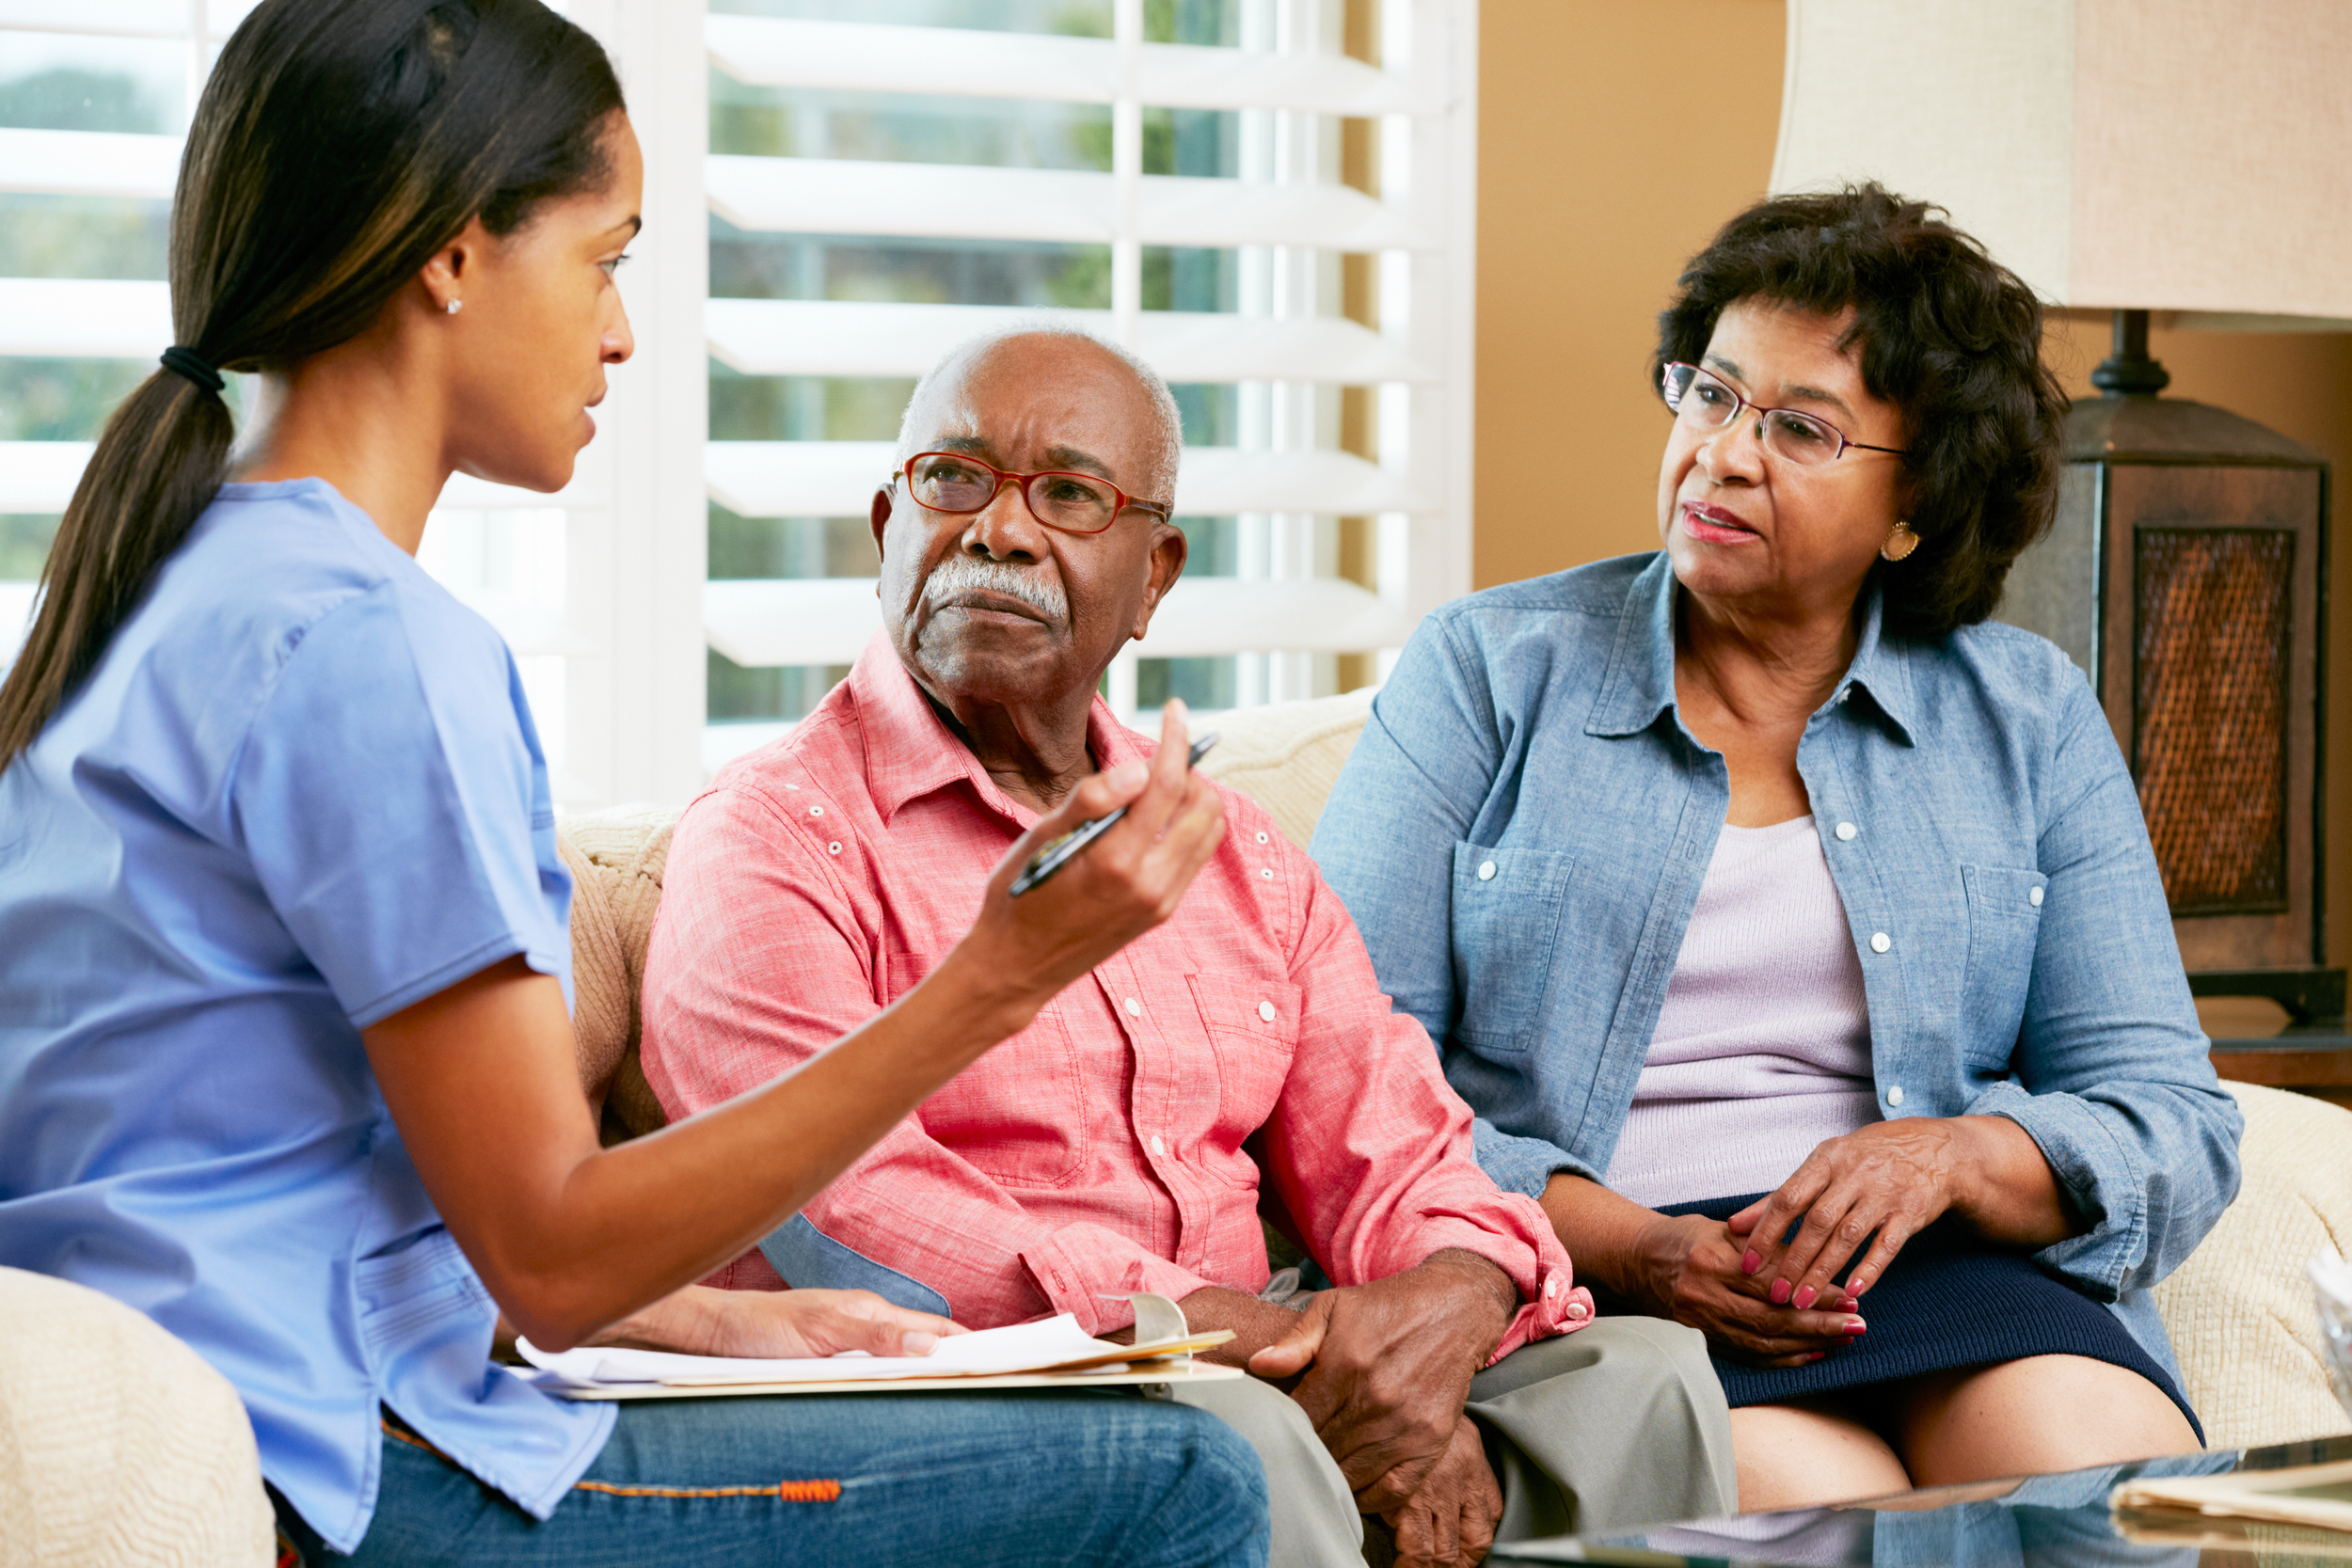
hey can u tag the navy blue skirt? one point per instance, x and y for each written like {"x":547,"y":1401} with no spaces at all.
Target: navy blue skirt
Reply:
{"x":1946,"y":1301}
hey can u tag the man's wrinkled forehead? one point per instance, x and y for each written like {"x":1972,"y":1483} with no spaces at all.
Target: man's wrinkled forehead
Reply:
{"x":963,"y":409}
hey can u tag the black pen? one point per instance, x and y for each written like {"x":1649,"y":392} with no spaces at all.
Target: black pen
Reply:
{"x":1065,"y":848}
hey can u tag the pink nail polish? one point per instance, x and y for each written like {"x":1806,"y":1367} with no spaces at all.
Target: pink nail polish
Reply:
{"x":1780,"y":1292}
{"x":1804,"y":1298}
{"x":1751,"y":1262}
{"x":1817,"y":1355}
{"x":1856,"y":1326}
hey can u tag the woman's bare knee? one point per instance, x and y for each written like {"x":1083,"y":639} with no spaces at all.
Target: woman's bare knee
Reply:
{"x":2035,"y":1415}
{"x":1801,"y":1456}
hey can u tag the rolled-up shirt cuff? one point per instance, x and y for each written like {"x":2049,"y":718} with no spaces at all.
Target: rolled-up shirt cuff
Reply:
{"x":1089,"y":1271}
{"x":1551,"y":1302}
{"x":1522,"y":1166}
{"x":2097,"y":1172}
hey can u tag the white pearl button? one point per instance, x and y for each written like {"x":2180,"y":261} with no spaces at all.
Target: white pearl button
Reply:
{"x":1881,"y":942}
{"x":1265,"y":1011}
{"x":1895,"y":1095}
{"x":1846,"y":830}
{"x":816,"y":811}
{"x":1576,"y":1310}
{"x":2033,"y":896}
{"x":1485,"y":871}
{"x":1157,"y":1146}
{"x":1261,"y":836}
{"x":1551,"y":1286}
{"x":1842,"y":692}
{"x":1268,"y":873}
{"x":1135,"y":1008}
{"x":834,"y":848}
{"x":795,"y":788}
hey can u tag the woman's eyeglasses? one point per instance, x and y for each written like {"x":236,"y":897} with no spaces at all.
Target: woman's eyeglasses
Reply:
{"x":1074,"y":503}
{"x":1704,"y":401}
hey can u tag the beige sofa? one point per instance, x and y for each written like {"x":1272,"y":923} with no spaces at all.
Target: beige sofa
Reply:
{"x":119,"y":1445}
{"x":2240,"y":1310}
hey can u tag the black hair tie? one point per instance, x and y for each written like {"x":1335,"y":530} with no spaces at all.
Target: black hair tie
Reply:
{"x":187,"y":363}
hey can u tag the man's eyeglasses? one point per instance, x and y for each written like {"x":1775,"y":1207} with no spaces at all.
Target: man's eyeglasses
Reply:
{"x":1704,"y":401}
{"x":1073,"y":503}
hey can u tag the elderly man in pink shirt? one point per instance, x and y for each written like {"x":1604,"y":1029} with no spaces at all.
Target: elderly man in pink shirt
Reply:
{"x":1240,"y":1058}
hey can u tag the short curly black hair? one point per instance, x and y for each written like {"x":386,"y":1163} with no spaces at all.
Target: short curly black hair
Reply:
{"x":1946,"y":334}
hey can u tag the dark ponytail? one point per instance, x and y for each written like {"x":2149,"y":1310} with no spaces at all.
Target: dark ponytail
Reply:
{"x":338,"y":144}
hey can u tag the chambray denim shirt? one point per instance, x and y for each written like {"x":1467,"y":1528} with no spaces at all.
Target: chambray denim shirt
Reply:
{"x":1523,"y":829}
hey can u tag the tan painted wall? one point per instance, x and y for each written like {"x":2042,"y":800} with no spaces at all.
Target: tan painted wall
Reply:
{"x":1596,"y":182}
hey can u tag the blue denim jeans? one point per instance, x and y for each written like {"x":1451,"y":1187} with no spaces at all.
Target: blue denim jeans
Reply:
{"x":1016,"y":1479}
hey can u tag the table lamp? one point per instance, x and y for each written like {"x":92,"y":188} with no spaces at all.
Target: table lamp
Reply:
{"x":2183,"y":157}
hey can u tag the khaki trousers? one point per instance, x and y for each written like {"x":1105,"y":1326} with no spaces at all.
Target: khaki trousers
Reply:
{"x":1616,"y":1426}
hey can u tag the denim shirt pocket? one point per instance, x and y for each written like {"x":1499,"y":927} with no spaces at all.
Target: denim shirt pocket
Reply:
{"x":1507,"y":911}
{"x":2003,"y":926}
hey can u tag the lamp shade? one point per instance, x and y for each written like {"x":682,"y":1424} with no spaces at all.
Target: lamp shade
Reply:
{"x":2184,"y":156}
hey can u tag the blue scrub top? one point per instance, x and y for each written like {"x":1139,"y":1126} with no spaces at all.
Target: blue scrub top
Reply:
{"x":300,"y":792}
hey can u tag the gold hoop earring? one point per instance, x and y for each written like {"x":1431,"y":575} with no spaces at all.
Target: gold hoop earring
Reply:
{"x":1901,"y":542}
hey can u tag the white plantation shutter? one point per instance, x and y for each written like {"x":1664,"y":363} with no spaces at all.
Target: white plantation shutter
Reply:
{"x":1280,"y":601}
{"x":602,"y":590}
{"x":574,"y":580}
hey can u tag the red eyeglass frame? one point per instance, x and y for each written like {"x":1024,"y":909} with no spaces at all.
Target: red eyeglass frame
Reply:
{"x":1125,"y":501}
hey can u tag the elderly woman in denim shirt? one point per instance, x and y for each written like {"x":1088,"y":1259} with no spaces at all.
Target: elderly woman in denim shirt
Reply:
{"x":1792,"y":926}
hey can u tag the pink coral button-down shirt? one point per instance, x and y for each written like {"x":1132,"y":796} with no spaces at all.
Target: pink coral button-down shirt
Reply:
{"x":1101,"y":1151}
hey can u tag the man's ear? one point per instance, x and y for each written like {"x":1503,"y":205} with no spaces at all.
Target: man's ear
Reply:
{"x":878,"y":514}
{"x":1171,"y":549}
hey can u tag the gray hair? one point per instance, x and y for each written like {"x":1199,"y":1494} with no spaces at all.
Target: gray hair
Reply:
{"x":1167,"y":450}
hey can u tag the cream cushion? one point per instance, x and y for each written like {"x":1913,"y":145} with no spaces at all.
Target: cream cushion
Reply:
{"x":118,"y":1443}
{"x":2240,"y":1310}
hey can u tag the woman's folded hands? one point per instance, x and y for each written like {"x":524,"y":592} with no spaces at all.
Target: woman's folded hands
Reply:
{"x":1689,"y":1268}
{"x":1859,"y":1199}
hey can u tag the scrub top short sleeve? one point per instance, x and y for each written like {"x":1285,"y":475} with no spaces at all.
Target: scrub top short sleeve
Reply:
{"x":394,"y":810}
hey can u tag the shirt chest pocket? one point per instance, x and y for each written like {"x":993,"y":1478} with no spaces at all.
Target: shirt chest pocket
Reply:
{"x":2004,"y":927}
{"x":1253,"y":1029}
{"x":1018,"y":1113}
{"x":1505,"y":928}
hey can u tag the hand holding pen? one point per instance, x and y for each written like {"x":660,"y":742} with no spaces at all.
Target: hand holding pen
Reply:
{"x":1061,"y":851}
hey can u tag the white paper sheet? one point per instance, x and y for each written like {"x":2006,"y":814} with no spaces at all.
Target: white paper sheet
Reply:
{"x":1022,"y":1347}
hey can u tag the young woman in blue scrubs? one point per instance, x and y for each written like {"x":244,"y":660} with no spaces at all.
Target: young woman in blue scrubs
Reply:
{"x":285,"y":1054}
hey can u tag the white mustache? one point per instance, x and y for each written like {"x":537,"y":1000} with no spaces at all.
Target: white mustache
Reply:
{"x":960,"y":573}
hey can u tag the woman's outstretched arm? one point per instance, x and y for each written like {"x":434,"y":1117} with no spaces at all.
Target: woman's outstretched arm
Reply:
{"x":569,"y":1237}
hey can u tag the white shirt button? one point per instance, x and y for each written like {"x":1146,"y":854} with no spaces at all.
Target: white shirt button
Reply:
{"x":1261,"y":836}
{"x":1842,"y":692}
{"x":1846,"y":830}
{"x":1895,"y":1094}
{"x":1881,"y":942}
{"x":1551,"y":1286}
{"x":1265,"y":1011}
{"x":795,"y":788}
{"x":816,"y":811}
{"x":1485,"y":871}
{"x":1157,"y":1146}
{"x":1267,"y":871}
{"x":834,"y":848}
{"x":1575,"y":1311}
{"x":1135,"y":1008}
{"x":2033,"y":896}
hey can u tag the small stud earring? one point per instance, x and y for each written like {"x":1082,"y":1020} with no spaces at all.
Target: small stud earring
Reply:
{"x":1901,"y":542}
{"x":456,"y":305}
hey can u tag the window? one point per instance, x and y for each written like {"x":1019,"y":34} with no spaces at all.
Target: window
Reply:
{"x":1271,"y":200}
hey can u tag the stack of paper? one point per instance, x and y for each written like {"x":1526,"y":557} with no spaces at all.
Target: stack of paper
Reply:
{"x":1054,"y":1350}
{"x":2316,"y":1496}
